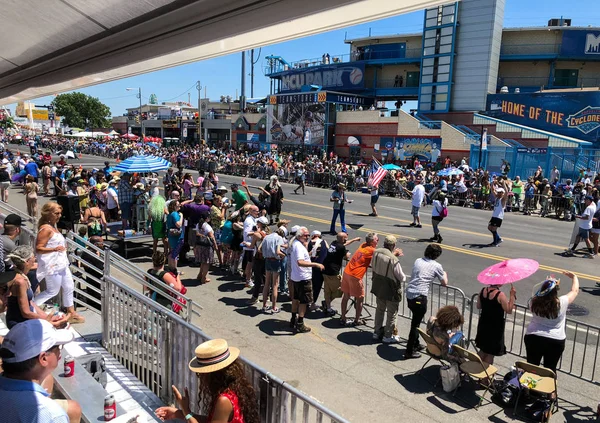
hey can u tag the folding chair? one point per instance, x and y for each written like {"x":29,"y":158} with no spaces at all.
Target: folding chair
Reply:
{"x":478,"y":370}
{"x":546,"y":385}
{"x":433,"y":350}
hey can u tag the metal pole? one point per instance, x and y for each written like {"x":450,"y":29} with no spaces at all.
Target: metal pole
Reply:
{"x":199,"y":88}
{"x":141,"y":118}
{"x":243,"y":91}
{"x":252,"y":73}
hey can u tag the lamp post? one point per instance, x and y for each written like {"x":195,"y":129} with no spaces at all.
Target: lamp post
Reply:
{"x":139,"y":95}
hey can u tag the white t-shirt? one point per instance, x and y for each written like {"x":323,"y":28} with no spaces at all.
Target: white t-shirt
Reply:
{"x":205,"y":229}
{"x":299,"y":252}
{"x":498,"y":209}
{"x":249,"y":223}
{"x":438,"y":206}
{"x":418,"y":193}
{"x":550,"y":328}
{"x":589,"y":212}
{"x":110,"y":201}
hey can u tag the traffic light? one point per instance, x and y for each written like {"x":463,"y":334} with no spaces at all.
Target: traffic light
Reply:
{"x":137,"y":118}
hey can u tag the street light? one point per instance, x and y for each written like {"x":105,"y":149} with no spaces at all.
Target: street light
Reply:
{"x":139,"y":95}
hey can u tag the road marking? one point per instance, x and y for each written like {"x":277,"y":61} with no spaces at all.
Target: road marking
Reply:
{"x":522,"y":241}
{"x":448,"y":247}
{"x":394,"y":208}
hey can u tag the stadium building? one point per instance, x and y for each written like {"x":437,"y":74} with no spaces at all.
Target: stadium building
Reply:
{"x":528,"y":89}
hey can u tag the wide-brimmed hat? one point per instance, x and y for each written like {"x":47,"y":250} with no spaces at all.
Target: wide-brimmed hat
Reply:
{"x":212,"y":356}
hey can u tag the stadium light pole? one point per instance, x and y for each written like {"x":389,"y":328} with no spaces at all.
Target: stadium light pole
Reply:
{"x":139,"y":95}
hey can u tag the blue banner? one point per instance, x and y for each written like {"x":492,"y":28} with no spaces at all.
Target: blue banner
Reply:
{"x":407,"y":146}
{"x":574,"y":114}
{"x":344,"y":77}
{"x":580,"y":43}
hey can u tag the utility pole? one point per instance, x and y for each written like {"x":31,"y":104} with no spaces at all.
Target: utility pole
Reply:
{"x":199,"y":88}
{"x":243,"y":92}
{"x":141,"y":117}
{"x":252,"y":73}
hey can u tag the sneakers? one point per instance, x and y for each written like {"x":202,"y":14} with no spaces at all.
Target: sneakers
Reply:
{"x":394,"y":339}
{"x":313,"y":307}
{"x":331,"y":312}
{"x":249,"y":284}
{"x":252,"y":300}
{"x":413,"y":224}
{"x":266,"y":310}
{"x":414,"y":354}
{"x":275,"y":310}
{"x":302,"y":328}
{"x":377,"y":337}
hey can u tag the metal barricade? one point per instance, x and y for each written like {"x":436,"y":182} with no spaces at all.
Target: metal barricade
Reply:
{"x":580,"y":357}
{"x":156,"y":346}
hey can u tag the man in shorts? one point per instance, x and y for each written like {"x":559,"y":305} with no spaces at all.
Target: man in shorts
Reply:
{"x":585,"y":226}
{"x":418,"y":194}
{"x":301,"y":279}
{"x":332,"y":279}
{"x":499,"y":189}
{"x":374,"y":197}
{"x":352,"y":279}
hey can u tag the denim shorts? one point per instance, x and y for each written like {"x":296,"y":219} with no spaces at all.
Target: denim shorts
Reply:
{"x":272,"y":265}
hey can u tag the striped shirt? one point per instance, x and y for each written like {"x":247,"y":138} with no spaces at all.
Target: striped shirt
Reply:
{"x":24,"y":401}
{"x":423,"y":273}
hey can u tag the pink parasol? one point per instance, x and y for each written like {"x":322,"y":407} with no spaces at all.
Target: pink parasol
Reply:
{"x":508,"y":271}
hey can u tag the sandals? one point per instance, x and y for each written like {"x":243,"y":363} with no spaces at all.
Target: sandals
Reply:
{"x":359,"y":322}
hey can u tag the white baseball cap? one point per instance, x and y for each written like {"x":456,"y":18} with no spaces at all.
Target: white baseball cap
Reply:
{"x":285,"y":231}
{"x":295,"y":229}
{"x":31,"y":338}
{"x":263,"y":220}
{"x":315,"y":233}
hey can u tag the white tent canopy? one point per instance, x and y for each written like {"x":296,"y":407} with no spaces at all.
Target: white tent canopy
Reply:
{"x":90,"y":134}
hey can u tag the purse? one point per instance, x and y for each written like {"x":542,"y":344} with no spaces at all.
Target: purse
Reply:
{"x":175,"y":232}
{"x":450,"y":376}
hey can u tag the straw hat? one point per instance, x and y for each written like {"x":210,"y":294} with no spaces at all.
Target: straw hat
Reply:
{"x":212,"y":356}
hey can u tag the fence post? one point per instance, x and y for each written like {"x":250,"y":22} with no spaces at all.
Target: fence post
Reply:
{"x":104,"y":299}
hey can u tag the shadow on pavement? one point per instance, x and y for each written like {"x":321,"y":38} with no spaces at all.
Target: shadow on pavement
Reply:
{"x":235,"y":302}
{"x":333,"y":323}
{"x":275,"y":327}
{"x":417,"y":384}
{"x":403,"y":226}
{"x":478,"y":245}
{"x":231,"y":286}
{"x":593,"y":291}
{"x":356,"y":338}
{"x":191,"y":282}
{"x":390,"y":353}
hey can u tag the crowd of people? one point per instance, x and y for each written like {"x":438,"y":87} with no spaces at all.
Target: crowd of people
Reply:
{"x":202,"y":223}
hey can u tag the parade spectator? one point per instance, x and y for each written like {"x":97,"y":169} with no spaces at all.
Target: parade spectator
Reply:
{"x":301,"y":279}
{"x":31,"y":196}
{"x":332,"y":265}
{"x":272,"y":253}
{"x":352,"y":278}
{"x":300,"y":179}
{"x":258,"y":261}
{"x":585,"y":220}
{"x":499,"y":190}
{"x":444,"y":329}
{"x":20,"y":305}
{"x":424,"y":272}
{"x":4,"y":182}
{"x":175,"y":234}
{"x":545,"y":336}
{"x":387,"y":288}
{"x":317,"y":248}
{"x":490,"y":329}
{"x":339,"y":200}
{"x":417,"y":196}
{"x":194,"y":211}
{"x":30,"y":353}
{"x":238,"y":196}
{"x":94,"y":219}
{"x":248,"y":231}
{"x":224,"y":391}
{"x":53,"y":262}
{"x":166,"y":275}
{"x":206,"y":244}
{"x":125,"y":196}
{"x":112,"y":200}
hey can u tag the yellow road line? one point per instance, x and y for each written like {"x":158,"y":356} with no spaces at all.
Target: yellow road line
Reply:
{"x":522,"y":241}
{"x":448,"y":247}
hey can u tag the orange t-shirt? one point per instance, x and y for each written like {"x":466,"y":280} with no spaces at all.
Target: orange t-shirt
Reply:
{"x":360,"y":261}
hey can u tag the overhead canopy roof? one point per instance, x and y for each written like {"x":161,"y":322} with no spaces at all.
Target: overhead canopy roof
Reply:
{"x":52,"y":46}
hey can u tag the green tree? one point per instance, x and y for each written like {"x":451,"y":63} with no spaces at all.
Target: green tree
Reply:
{"x":79,"y":110}
{"x":7,"y":122}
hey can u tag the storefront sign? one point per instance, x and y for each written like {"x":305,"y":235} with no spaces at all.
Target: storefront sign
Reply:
{"x":580,"y":43}
{"x":573,"y":114}
{"x":532,"y":150}
{"x":184,"y":132}
{"x":171,"y":123}
{"x":332,"y":76}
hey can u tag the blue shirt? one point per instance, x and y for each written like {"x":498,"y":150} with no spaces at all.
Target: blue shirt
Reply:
{"x":27,"y":402}
{"x":31,"y":168}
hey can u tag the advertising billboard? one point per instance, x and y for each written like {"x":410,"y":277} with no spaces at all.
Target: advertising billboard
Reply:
{"x":331,"y":77}
{"x":574,"y":114}
{"x":405,"y":147}
{"x":296,"y":123}
{"x":580,"y":43}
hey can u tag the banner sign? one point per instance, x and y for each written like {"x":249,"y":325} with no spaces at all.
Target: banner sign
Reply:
{"x":320,"y":97}
{"x":173,"y":123}
{"x":532,"y":150}
{"x":484,"y":140}
{"x":341,"y":77}
{"x":573,"y":114}
{"x":406,"y":147}
{"x":184,"y":133}
{"x":580,"y":43}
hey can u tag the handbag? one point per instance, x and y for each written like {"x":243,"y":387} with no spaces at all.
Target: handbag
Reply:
{"x":175,"y":232}
{"x":450,"y":376}
{"x":444,"y":211}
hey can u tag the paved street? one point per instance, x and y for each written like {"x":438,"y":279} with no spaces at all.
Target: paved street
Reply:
{"x":341,"y":366}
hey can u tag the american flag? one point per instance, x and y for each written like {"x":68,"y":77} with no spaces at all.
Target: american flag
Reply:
{"x":377,"y":173}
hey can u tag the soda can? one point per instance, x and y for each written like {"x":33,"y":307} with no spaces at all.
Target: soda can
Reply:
{"x":69,"y":366}
{"x":110,"y":408}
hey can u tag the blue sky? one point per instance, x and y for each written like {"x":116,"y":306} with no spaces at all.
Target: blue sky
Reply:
{"x":222,"y":76}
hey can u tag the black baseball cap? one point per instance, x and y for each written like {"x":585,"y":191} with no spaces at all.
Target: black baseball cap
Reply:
{"x":13,"y":219}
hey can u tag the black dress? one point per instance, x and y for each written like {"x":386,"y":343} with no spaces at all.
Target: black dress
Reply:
{"x":490,"y":329}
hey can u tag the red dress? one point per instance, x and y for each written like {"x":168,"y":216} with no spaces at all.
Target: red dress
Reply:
{"x":237,"y":412}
